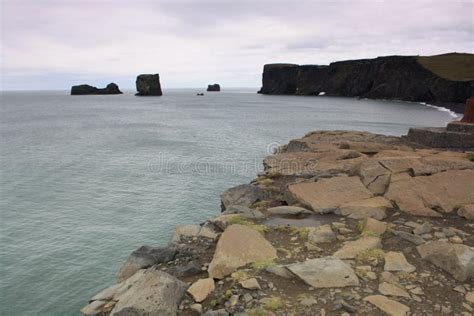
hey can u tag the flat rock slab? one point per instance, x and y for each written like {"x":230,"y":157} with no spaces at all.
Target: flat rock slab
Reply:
{"x":288,"y":211}
{"x":351,"y":249}
{"x":244,"y":195}
{"x":367,"y":208}
{"x":392,"y":290}
{"x":149,"y":292}
{"x":396,"y":261}
{"x":456,"y":259}
{"x":325,"y":273}
{"x":467,"y":211}
{"x":390,"y":307}
{"x":372,"y":225}
{"x":327,"y":195}
{"x":201,"y":289}
{"x":238,"y":246}
{"x":443,"y":191}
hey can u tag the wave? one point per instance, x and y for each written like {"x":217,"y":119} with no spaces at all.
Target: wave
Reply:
{"x":443,"y":109}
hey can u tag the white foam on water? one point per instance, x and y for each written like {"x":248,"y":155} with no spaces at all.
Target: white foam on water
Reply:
{"x":322,"y":93}
{"x":442,"y":109}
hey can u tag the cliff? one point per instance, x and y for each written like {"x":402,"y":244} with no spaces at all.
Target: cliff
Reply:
{"x":85,"y":89}
{"x":214,"y":87}
{"x":444,"y":79}
{"x":339,"y":221}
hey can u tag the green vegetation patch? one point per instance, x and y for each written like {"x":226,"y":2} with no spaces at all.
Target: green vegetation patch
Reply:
{"x":453,"y":66}
{"x":240,"y":220}
{"x":262,"y":265}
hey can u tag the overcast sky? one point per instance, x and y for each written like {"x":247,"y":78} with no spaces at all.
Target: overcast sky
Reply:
{"x":52,"y":44}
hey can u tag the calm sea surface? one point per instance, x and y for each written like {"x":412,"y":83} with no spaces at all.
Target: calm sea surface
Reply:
{"x":87,"y":179}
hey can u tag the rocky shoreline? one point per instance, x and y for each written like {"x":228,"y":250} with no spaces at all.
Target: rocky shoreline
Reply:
{"x":339,"y":223}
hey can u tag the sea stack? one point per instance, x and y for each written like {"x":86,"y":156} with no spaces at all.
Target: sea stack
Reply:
{"x":214,"y":87}
{"x":148,"y":85}
{"x":85,"y":89}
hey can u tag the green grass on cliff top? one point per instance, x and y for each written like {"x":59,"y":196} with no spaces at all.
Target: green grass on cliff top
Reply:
{"x":453,"y":66}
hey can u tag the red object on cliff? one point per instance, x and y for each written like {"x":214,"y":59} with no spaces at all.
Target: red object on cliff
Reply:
{"x":469,"y":111}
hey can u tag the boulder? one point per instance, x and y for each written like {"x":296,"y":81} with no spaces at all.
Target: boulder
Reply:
{"x":214,"y":87}
{"x":85,"y":89}
{"x":367,"y":208}
{"x":321,"y":234}
{"x":244,"y":211}
{"x":467,"y":211}
{"x":388,"y":306}
{"x":396,"y":261}
{"x":456,"y":259}
{"x":250,"y":284}
{"x":242,"y":195}
{"x":94,"y":308}
{"x":152,"y":292}
{"x":351,"y":249}
{"x":325,"y":272}
{"x":238,"y":246}
{"x":414,"y":239}
{"x":327,"y":195}
{"x":144,"y":257}
{"x":201,"y":289}
{"x":433,"y":195}
{"x":148,"y":85}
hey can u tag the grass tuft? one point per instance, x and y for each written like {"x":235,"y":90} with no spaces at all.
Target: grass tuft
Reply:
{"x":273,"y":303}
{"x":240,"y":220}
{"x":371,"y":255}
{"x":262,"y":265}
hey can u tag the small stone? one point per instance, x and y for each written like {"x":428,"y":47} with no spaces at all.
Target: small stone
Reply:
{"x":417,"y":291}
{"x":417,"y":240}
{"x":460,"y":289}
{"x":392,"y":290}
{"x":280,"y":271}
{"x":396,"y":261}
{"x":470,"y":297}
{"x":422,"y":229}
{"x":351,"y":249}
{"x":93,"y":309}
{"x":312,"y":247}
{"x":389,"y":277}
{"x":251,"y":284}
{"x":234,"y":299}
{"x":374,"y":226}
{"x":197,"y":308}
{"x":201,"y":289}
{"x":321,"y":234}
{"x":308,"y":301}
{"x":455,"y":240}
{"x":439,"y":235}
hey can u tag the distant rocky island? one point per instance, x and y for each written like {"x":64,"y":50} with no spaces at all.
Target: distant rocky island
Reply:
{"x":446,"y":80}
{"x":214,"y":87}
{"x":148,"y":85}
{"x":338,"y":223}
{"x":85,"y":89}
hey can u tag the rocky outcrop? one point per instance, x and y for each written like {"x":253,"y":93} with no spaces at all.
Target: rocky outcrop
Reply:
{"x":392,"y":77}
{"x":85,"y":89}
{"x":469,"y":112}
{"x":214,"y":87}
{"x":148,"y":85}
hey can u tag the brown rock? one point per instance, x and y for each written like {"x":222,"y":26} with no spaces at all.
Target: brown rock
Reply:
{"x":443,"y":191}
{"x":392,"y":290}
{"x":396,"y":261}
{"x":469,"y":111}
{"x":351,"y":249}
{"x":390,"y":307}
{"x":374,"y":226}
{"x":327,"y":195}
{"x":201,"y":289}
{"x":467,"y":211}
{"x":374,"y":207}
{"x":239,"y":245}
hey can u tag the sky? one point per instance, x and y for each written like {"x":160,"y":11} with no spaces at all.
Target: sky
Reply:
{"x":53,"y":44}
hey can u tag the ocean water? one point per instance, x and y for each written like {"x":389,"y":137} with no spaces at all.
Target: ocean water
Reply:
{"x":87,"y":179}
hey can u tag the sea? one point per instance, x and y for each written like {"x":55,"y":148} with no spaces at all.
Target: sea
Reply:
{"x":85,"y":180}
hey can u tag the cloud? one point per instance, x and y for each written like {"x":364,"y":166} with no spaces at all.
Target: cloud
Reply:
{"x":192,"y":43}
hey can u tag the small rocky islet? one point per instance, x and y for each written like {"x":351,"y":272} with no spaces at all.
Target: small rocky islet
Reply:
{"x":392,"y":233}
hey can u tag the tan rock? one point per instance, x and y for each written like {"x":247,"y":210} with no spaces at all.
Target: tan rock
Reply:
{"x":367,"y":208}
{"x":396,"y":261}
{"x":185,"y":231}
{"x":467,"y":211}
{"x":458,"y":260}
{"x":470,"y":297}
{"x":325,"y":272}
{"x":390,"y":307}
{"x":288,"y":210}
{"x":201,"y":289}
{"x":327,"y":195}
{"x":371,"y":225}
{"x":388,"y":277}
{"x":392,"y":290}
{"x":443,"y":191}
{"x":239,"y":245}
{"x":250,"y":284}
{"x":321,"y":234}
{"x":351,"y":249}
{"x":93,"y":308}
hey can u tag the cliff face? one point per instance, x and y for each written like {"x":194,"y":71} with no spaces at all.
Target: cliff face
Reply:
{"x":148,"y":85}
{"x":391,"y":77}
{"x":85,"y":89}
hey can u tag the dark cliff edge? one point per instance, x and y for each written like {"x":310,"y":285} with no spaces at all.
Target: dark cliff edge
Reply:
{"x":214,"y":87}
{"x":446,"y":80}
{"x":85,"y":89}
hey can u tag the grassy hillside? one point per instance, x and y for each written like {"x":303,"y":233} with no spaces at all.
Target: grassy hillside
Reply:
{"x":453,"y":66}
